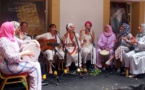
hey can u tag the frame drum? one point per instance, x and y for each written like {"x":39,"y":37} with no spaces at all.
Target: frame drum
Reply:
{"x":104,"y":55}
{"x":32,"y":47}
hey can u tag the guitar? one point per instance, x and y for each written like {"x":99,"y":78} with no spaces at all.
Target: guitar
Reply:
{"x":47,"y":44}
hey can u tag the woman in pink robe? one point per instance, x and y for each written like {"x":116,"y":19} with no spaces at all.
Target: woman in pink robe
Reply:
{"x":11,"y":61}
{"x":106,"y":41}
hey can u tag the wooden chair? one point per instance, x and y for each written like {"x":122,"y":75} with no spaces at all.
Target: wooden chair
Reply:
{"x":127,"y":72}
{"x":13,"y":79}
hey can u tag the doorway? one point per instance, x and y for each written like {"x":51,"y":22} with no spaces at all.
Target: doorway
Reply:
{"x":130,"y":11}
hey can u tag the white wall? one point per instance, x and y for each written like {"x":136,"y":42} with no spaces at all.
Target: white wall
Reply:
{"x":80,"y":11}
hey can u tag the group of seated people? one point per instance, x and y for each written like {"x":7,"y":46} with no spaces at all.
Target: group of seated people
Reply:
{"x":123,"y":48}
{"x":72,"y":46}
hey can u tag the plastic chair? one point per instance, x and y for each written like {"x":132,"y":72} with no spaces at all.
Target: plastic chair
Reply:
{"x":20,"y":78}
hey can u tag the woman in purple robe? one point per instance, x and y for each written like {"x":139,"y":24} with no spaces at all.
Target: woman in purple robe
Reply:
{"x":106,"y":41}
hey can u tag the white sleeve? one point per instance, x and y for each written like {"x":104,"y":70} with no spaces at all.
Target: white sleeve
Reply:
{"x":42,"y":35}
{"x":140,"y":46}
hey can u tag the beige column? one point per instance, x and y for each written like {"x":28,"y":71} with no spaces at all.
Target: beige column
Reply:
{"x":137,"y":16}
{"x":54,"y":12}
{"x":106,"y":15}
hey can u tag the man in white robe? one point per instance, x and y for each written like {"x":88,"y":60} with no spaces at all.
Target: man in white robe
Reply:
{"x":52,"y":35}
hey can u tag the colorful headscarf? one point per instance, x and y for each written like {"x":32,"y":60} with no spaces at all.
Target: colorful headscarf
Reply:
{"x":88,"y":22}
{"x":16,"y":24}
{"x":7,"y":30}
{"x":143,"y":31}
{"x":107,"y":34}
{"x":125,"y":31}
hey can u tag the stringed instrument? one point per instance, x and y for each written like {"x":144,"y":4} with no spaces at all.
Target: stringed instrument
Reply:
{"x":47,"y":44}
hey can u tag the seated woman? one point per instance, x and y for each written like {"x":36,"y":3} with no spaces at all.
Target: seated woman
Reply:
{"x":106,"y":42}
{"x":72,"y":40}
{"x":124,"y":44}
{"x":87,"y":37}
{"x":135,"y":58}
{"x":12,"y":62}
{"x":17,"y":28}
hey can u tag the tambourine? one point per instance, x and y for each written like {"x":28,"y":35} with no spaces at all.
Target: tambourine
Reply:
{"x":32,"y":47}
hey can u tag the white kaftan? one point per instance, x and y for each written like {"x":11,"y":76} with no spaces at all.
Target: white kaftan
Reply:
{"x":73,"y":56}
{"x":135,"y":59}
{"x":88,"y":48}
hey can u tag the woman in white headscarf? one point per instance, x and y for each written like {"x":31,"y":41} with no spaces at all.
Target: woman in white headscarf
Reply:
{"x":72,"y":39}
{"x":17,"y":28}
{"x":135,"y":58}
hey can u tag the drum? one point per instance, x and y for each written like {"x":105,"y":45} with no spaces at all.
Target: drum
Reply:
{"x":32,"y":47}
{"x":26,"y":38}
{"x":104,"y":55}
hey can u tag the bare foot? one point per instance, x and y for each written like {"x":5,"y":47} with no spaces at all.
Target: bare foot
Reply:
{"x":59,"y":68}
{"x":67,"y":68}
{"x":96,"y":67}
{"x":50,"y":72}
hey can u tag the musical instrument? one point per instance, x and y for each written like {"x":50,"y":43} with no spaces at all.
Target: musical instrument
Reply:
{"x":27,"y":38}
{"x":133,"y":40}
{"x":104,"y":55}
{"x":47,"y":44}
{"x":124,"y":43}
{"x":32,"y":47}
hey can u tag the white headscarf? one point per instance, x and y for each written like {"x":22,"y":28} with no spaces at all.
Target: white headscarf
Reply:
{"x":69,"y":24}
{"x":143,"y":31}
{"x":16,"y":24}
